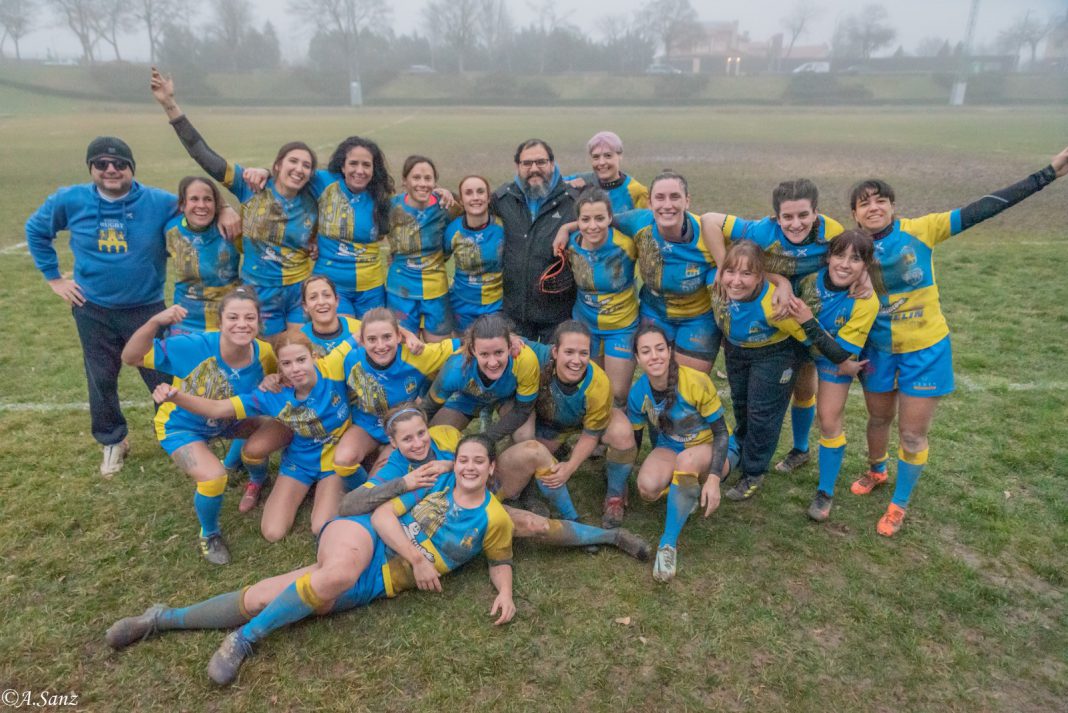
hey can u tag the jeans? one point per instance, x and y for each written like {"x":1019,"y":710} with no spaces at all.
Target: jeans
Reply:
{"x":104,"y":332}
{"x":761,"y":380}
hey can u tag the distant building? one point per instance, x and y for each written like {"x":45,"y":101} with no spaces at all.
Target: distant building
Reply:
{"x":720,"y":48}
{"x":1056,"y":55}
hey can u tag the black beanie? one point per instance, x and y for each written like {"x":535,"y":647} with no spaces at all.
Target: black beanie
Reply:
{"x":109,"y":147}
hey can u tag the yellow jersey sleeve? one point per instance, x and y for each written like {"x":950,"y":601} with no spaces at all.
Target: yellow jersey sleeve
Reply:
{"x":497,"y":542}
{"x":639,"y":194}
{"x":433,"y":357}
{"x":789,"y":325}
{"x":268,"y":361}
{"x":333,"y":364}
{"x":831,"y":228}
{"x":697,"y":389}
{"x":354,"y":324}
{"x":447,"y":438}
{"x":855,"y":331}
{"x":527,"y":374}
{"x":239,"y":407}
{"x":598,"y":402}
{"x":930,"y":229}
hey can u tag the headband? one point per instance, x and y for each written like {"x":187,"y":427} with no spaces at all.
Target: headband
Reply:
{"x":394,"y":417}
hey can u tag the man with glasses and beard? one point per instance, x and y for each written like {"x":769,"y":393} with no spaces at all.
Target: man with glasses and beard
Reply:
{"x":120,"y":265}
{"x":532,"y":208}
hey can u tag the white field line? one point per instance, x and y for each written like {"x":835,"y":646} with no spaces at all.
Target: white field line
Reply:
{"x":51,"y":406}
{"x":17,"y":247}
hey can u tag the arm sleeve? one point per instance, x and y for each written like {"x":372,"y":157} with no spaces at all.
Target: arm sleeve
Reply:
{"x":993,"y":203}
{"x":369,"y":496}
{"x":508,"y":423}
{"x":41,"y":229}
{"x":527,"y":376}
{"x":215,"y":165}
{"x":497,"y":541}
{"x":720,"y":438}
{"x":827,"y":344}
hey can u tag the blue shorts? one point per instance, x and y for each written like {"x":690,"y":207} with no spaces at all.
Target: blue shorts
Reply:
{"x":827,"y":371}
{"x":278,"y":306}
{"x":554,"y":431}
{"x":173,"y":439}
{"x":698,"y":337}
{"x":371,"y":424}
{"x":371,"y":584}
{"x":356,"y":303}
{"x":467,"y":312}
{"x":301,"y":474}
{"x":467,"y":405}
{"x":924,"y":373}
{"x":435,"y":316}
{"x":615,"y":343}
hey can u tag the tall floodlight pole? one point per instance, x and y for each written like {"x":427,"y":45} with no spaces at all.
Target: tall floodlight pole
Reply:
{"x":956,"y":96}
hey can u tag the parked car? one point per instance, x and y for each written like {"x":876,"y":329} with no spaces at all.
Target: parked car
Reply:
{"x":662,"y":69}
{"x":813,"y":67}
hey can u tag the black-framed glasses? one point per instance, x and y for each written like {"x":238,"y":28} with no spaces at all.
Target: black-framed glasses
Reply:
{"x":102,"y":164}
{"x":539,"y":162}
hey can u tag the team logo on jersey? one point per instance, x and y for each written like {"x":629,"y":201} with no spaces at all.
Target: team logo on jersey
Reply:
{"x":111,"y":237}
{"x":650,"y":259}
{"x":467,"y":253}
{"x":429,"y":514}
{"x":208,"y":380}
{"x":184,"y":256}
{"x":365,"y":393}
{"x":410,"y":385}
{"x":304,"y":422}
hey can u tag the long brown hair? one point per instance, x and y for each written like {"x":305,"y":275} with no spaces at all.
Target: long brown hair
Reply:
{"x":663,"y":422}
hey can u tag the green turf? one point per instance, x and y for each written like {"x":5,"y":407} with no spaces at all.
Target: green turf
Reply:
{"x":963,"y":611}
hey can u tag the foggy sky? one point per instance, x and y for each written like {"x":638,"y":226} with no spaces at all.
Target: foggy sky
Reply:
{"x":913,"y":19}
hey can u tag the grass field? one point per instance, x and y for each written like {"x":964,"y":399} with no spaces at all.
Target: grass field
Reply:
{"x":964,"y":611}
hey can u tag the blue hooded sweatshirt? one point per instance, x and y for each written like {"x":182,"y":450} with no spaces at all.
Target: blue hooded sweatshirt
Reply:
{"x":120,"y":253}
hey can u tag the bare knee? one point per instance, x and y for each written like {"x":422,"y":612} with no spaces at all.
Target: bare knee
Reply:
{"x":913,"y":441}
{"x":273,"y":532}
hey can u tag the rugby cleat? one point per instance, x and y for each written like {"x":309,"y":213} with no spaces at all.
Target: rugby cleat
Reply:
{"x":891,"y":521}
{"x":820,"y":507}
{"x":633,"y":545}
{"x":867,"y":482}
{"x":134,"y":628}
{"x":227,"y":659}
{"x":213,"y":548}
{"x":745,"y":488}
{"x":614,"y":508}
{"x":793,"y":460}
{"x":250,"y":498}
{"x":664,"y":567}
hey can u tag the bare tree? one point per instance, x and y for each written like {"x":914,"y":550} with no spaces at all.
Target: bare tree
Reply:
{"x":233,"y":18}
{"x":933,"y":47}
{"x":80,"y":16}
{"x":864,"y":33}
{"x":346,"y":18}
{"x":1025,"y":31}
{"x":154,"y":15}
{"x":16,"y":17}
{"x":549,"y":21}
{"x":495,"y":29}
{"x":455,"y":23}
{"x":799,"y":20}
{"x":116,"y":17}
{"x":673,"y":22}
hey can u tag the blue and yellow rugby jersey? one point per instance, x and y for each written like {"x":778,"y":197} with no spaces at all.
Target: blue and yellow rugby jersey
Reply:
{"x":674,"y":274}
{"x":198,"y":368}
{"x":374,"y":390}
{"x":460,"y":377}
{"x":604,"y":278}
{"x":276,"y":231}
{"x":625,"y":192}
{"x":478,"y":279}
{"x":780,"y":255}
{"x":349,"y":244}
{"x":910,"y":313}
{"x":845,"y":318}
{"x":417,"y":257}
{"x":317,"y":421}
{"x":696,"y":406}
{"x":586,"y":405}
{"x":205,"y":268}
{"x":749,"y":323}
{"x":443,"y":443}
{"x":448,"y":535}
{"x":323,"y":344}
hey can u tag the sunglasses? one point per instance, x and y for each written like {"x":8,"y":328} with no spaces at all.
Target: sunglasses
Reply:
{"x":102,"y":164}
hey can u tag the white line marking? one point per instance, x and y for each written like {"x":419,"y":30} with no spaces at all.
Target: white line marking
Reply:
{"x":17,"y":247}
{"x":48,"y":407}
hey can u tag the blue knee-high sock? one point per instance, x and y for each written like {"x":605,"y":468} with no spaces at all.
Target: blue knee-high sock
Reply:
{"x":296,"y":602}
{"x":208,"y":502}
{"x":909,"y":468}
{"x":560,"y":500}
{"x":225,"y":611}
{"x":257,"y":469}
{"x":832,"y":451}
{"x":879,"y":464}
{"x":565,"y":533}
{"x":682,"y":497}
{"x":233,"y":456}
{"x":352,"y":476}
{"x":618,"y":467}
{"x":801,"y":417}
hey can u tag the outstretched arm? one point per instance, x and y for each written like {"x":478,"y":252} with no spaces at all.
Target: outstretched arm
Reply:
{"x":141,"y":341}
{"x":712,"y":234}
{"x":993,"y":203}
{"x":163,"y":90}
{"x":208,"y":408}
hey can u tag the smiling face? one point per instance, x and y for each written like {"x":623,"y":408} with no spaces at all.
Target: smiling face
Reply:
{"x":239,"y":322}
{"x":292,"y":172}
{"x":594,"y":220}
{"x":873,"y":212}
{"x":380,"y":339}
{"x":796,"y":219}
{"x":358,"y":169}
{"x":605,"y":163}
{"x":669,"y":203}
{"x":740,"y":280}
{"x":199,"y":206}
{"x":472,"y":467}
{"x":419,"y":183}
{"x":412,"y":438}
{"x":491,"y":356}
{"x":534,"y":169}
{"x":653,"y":354}
{"x":474,"y":196}
{"x":297,"y":365}
{"x":320,"y":302}
{"x":845,"y":268}
{"x":572,"y":357}
{"x":113,"y":176}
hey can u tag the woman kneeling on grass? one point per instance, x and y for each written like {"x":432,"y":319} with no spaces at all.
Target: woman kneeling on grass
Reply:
{"x":422,"y":452}
{"x":314,"y":406}
{"x":216,"y":365}
{"x":691,"y":443}
{"x":408,"y":542}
